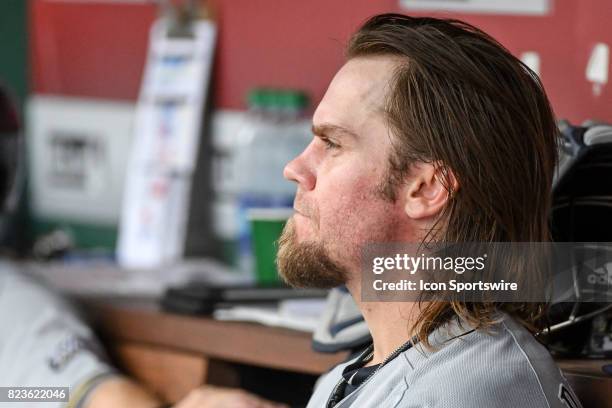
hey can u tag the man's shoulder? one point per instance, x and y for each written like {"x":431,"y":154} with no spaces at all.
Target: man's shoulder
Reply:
{"x":505,"y":341}
{"x":502,"y":365}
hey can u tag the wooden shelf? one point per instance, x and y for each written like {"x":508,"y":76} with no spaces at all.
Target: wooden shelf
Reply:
{"x":246,"y":343}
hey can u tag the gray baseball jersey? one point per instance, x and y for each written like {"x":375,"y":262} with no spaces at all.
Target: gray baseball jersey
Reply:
{"x":42,"y":341}
{"x":503,"y":368}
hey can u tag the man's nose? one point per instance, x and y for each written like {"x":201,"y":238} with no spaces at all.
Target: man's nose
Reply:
{"x":300,"y":171}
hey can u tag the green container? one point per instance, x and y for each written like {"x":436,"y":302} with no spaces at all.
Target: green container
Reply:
{"x":266,"y":227}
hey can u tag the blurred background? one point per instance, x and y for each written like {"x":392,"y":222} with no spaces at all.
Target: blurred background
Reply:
{"x":154,"y":134}
{"x":98,"y":88}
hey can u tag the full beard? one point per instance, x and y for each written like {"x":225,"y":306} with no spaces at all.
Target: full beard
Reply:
{"x":308,"y":264}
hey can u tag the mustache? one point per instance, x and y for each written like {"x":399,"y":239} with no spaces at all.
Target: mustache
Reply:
{"x":303,"y":207}
{"x":306,"y":210}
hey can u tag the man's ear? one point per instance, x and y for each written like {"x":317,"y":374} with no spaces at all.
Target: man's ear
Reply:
{"x":427,"y":190}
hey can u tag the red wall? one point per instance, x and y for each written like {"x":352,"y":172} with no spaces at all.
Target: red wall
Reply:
{"x":99,"y":49}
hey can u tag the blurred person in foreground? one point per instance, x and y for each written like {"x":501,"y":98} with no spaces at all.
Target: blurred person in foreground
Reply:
{"x":44,"y":343}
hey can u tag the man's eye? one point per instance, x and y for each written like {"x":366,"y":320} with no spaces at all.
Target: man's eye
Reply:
{"x":329,"y":144}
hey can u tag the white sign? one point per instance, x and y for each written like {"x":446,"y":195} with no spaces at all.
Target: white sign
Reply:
{"x":167,"y":130}
{"x":78,"y":157}
{"x":598,"y":67}
{"x":534,"y":7}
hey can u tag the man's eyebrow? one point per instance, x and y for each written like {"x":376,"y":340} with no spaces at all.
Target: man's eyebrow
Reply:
{"x":328,"y":128}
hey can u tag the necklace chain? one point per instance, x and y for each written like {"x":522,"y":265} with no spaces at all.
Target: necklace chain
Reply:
{"x":335,"y":398}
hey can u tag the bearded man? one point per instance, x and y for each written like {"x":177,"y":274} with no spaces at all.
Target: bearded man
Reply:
{"x":430,"y":132}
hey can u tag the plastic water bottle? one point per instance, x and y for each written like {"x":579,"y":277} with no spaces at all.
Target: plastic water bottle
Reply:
{"x":272,"y":135}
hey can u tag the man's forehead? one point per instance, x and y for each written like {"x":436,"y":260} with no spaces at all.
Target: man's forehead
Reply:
{"x":357,"y":92}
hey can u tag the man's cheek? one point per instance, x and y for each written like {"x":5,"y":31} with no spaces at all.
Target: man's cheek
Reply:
{"x":342,"y":221}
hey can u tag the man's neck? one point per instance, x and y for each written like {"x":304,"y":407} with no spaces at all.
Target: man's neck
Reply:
{"x":390,"y":324}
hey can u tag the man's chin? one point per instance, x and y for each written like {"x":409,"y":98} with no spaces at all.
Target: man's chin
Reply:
{"x":306,"y":264}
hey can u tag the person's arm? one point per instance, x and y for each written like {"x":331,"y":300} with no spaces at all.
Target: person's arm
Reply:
{"x":45,"y":343}
{"x":120,"y":391}
{"x":209,"y":396}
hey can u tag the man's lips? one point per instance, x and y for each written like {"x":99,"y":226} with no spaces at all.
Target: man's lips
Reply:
{"x":299,"y":212}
